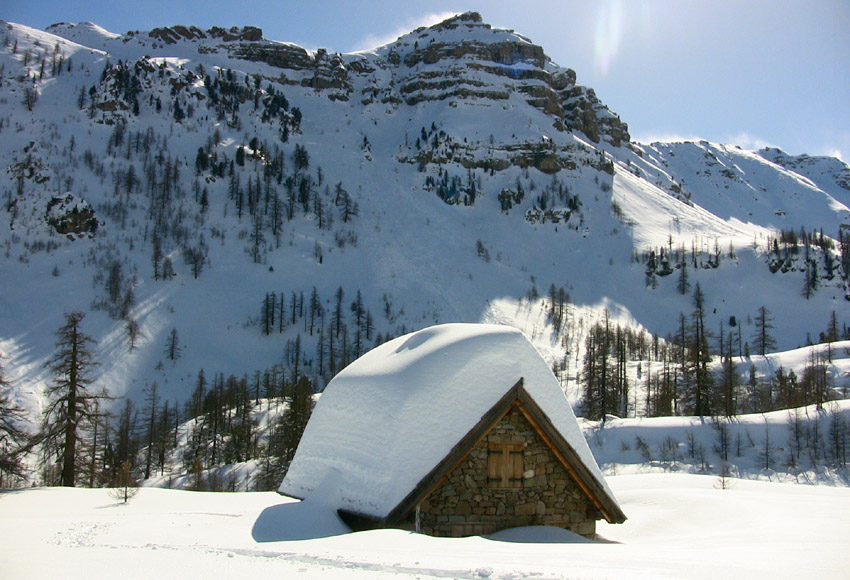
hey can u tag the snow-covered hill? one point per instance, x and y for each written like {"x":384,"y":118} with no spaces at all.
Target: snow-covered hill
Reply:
{"x":271,"y":205}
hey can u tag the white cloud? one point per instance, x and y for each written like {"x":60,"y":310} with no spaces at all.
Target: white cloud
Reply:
{"x":664,"y":138}
{"x":831,"y":151}
{"x":375,"y":40}
{"x":746,"y":140}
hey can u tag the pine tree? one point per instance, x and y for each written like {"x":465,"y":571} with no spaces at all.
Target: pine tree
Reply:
{"x":71,"y":405}
{"x":597,"y":372}
{"x":810,"y":277}
{"x":125,"y":485}
{"x":763,"y":341}
{"x":682,"y":284}
{"x":729,"y":384}
{"x":81,"y":98}
{"x":132,"y":329}
{"x":14,"y":440}
{"x":286,"y":433}
{"x":338,"y":312}
{"x":156,"y":258}
{"x":698,"y":357}
{"x":172,"y":345}
{"x":151,"y":424}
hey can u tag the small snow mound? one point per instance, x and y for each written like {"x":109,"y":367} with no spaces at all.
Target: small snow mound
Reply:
{"x":538,"y":535}
{"x":416,"y":340}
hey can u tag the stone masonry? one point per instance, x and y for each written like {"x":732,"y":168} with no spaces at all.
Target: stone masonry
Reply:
{"x":467,"y":503}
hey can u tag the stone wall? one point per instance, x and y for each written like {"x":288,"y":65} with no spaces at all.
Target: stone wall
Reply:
{"x":466,"y":503}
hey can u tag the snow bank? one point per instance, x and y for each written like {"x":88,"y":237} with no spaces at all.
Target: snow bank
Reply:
{"x":539,"y":535}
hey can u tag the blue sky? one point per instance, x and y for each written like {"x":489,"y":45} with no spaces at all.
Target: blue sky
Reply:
{"x":747,"y":72}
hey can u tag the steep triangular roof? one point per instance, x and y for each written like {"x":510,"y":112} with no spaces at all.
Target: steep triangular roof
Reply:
{"x":388,"y":423}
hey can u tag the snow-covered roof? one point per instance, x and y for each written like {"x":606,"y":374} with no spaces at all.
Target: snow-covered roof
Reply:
{"x":390,"y":417}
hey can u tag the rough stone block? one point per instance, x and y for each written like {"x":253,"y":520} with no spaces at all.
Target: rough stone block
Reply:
{"x":524,"y":509}
{"x":540,"y":508}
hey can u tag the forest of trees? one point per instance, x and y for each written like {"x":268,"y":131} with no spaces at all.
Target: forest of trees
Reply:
{"x":257,"y":420}
{"x":694,"y":372}
{"x":342,"y":328}
{"x":84,"y":441}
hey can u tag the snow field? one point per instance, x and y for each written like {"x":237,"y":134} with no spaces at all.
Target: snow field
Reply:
{"x":679,"y":526}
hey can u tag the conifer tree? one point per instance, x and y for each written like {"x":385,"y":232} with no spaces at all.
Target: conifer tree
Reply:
{"x":682,"y":284}
{"x":14,"y":440}
{"x":597,"y":372}
{"x":151,"y":424}
{"x":71,"y":404}
{"x":286,"y":433}
{"x":125,"y":485}
{"x":729,"y":383}
{"x":698,"y":357}
{"x":763,"y":341}
{"x":172,"y":345}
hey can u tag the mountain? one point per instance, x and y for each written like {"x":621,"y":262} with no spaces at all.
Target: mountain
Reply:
{"x":215,"y":200}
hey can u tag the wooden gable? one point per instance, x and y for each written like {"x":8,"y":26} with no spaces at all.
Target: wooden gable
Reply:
{"x":503,"y":469}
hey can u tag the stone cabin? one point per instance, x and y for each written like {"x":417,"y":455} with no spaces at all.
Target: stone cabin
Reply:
{"x":456,"y":430}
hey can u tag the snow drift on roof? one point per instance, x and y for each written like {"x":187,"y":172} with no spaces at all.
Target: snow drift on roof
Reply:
{"x":385,"y":421}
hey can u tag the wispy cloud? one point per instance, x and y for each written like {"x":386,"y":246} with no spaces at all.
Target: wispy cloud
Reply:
{"x":746,"y":140}
{"x":376,"y":40}
{"x":664,"y":138}
{"x":837,"y":154}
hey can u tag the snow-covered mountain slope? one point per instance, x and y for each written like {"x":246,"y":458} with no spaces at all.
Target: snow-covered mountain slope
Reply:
{"x":756,"y":188}
{"x":239,"y":193}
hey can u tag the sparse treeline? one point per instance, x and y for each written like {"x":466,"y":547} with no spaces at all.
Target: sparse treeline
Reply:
{"x":665,"y":260}
{"x":267,"y":183}
{"x":256,"y":419}
{"x":696,"y":371}
{"x":259,"y":189}
{"x":223,"y":426}
{"x":218,"y":426}
{"x":818,"y":257}
{"x":342,"y":328}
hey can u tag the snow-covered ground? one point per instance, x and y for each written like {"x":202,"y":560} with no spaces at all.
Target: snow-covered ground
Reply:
{"x":680,"y":526}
